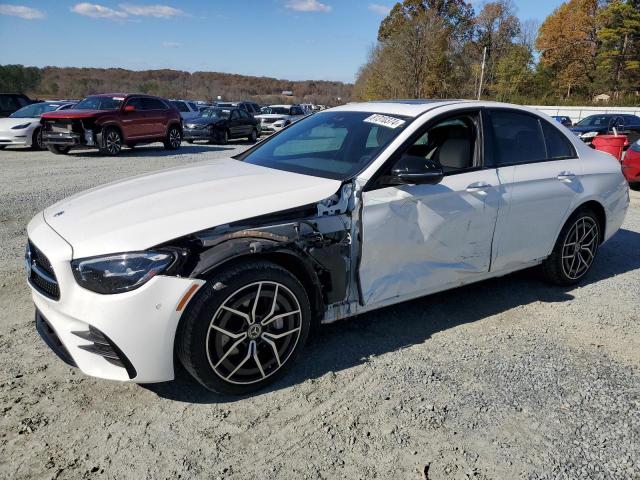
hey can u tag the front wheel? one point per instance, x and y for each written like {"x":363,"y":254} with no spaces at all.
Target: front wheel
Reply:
{"x":253,"y":138}
{"x":111,"y":142}
{"x":245,"y":328}
{"x":58,"y":149}
{"x":36,"y":140}
{"x":575,"y":249}
{"x":222,"y":137}
{"x":174,"y":139}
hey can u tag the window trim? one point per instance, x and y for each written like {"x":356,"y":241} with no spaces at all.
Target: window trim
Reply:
{"x":481,"y":147}
{"x":490,"y":138}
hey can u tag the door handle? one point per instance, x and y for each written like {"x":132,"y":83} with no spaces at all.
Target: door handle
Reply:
{"x":478,"y":187}
{"x":566,"y":177}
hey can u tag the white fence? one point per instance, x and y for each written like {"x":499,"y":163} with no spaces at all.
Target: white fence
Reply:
{"x":578,"y":113}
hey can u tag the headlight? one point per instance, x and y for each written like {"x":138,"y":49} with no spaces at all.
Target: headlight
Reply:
{"x":589,"y":135}
{"x":120,"y":273}
{"x":21,"y":126}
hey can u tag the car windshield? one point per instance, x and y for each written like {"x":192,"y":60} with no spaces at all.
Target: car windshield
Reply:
{"x":333,"y":145}
{"x":595,"y":120}
{"x":279,"y":110}
{"x":100,"y":103}
{"x":35,"y":110}
{"x":216,"y":113}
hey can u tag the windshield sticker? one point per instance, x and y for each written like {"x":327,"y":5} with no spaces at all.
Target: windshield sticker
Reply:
{"x":384,"y":121}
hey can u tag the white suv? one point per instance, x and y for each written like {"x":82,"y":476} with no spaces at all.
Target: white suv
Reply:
{"x":230,"y":262}
{"x":276,"y":117}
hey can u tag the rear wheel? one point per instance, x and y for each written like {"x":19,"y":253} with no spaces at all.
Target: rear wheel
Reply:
{"x":58,"y":149}
{"x":575,"y":250}
{"x":253,"y":138}
{"x":36,"y":140}
{"x":174,"y":139}
{"x":111,"y":142}
{"x":244,"y":328}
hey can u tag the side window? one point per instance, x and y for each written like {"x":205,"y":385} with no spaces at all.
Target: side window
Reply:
{"x":193,"y":107}
{"x":235,"y":115}
{"x":22,"y":102}
{"x":244,"y":115}
{"x":558,"y":147}
{"x":181,"y":106}
{"x":451,"y":143}
{"x":517,"y":138}
{"x":153,"y":104}
{"x":7,"y":103}
{"x":136,"y":102}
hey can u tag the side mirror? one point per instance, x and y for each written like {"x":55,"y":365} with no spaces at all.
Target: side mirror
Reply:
{"x":130,"y":108}
{"x":410,"y":170}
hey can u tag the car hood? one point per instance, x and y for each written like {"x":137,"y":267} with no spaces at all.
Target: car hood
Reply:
{"x":581,"y":129}
{"x":76,"y":114}
{"x":277,"y":116}
{"x":143,"y":211}
{"x":204,"y":121}
{"x":7,"y":123}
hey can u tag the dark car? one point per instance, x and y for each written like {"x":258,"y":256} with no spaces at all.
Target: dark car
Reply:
{"x":109,"y":121}
{"x":219,"y":125}
{"x":590,"y":127}
{"x":249,"y":107}
{"x":12,"y":102}
{"x":564,"y":120}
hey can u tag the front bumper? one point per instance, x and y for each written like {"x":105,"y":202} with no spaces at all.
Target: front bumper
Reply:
{"x":270,"y":128}
{"x":196,"y":134}
{"x":18,"y":138}
{"x":128,"y":336}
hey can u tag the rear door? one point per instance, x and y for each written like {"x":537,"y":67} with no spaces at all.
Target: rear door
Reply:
{"x":235,"y":123}
{"x":156,"y":117}
{"x":540,"y":174}
{"x":246,"y":121}
{"x":418,"y":239}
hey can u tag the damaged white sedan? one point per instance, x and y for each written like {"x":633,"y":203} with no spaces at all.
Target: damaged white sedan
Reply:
{"x":229,"y":263}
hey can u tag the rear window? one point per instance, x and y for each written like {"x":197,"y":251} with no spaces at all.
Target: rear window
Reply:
{"x":517,"y":138}
{"x":558,"y":146}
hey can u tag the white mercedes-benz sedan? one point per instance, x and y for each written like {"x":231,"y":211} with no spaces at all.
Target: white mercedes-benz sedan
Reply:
{"x":229,"y":263}
{"x":22,"y":128}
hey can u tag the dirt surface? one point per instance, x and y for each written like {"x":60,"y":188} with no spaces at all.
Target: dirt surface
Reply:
{"x":509,"y":378}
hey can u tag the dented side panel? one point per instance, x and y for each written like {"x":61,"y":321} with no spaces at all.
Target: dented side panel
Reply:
{"x":419,"y":238}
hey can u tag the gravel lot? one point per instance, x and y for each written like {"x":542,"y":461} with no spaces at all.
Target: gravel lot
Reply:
{"x":510,"y":378}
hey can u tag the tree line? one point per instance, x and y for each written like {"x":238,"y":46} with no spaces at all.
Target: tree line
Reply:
{"x":75,"y":83}
{"x":435,"y":49}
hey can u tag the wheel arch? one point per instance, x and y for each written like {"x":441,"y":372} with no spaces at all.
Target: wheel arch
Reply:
{"x":105,"y":126}
{"x":600,"y":212}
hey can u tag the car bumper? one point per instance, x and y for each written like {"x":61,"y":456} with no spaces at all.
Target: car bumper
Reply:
{"x":71,"y":139}
{"x":196,"y":134}
{"x":19,"y":138}
{"x":127,"y":337}
{"x":270,"y":128}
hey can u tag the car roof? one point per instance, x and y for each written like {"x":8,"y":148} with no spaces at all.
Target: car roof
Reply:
{"x":414,"y":108}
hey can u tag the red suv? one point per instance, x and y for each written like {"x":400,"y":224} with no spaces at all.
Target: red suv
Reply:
{"x":109,"y":121}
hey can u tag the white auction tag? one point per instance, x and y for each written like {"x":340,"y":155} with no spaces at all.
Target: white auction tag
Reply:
{"x":384,"y":121}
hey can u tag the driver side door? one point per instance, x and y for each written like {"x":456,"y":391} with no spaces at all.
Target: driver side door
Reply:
{"x":419,"y":239}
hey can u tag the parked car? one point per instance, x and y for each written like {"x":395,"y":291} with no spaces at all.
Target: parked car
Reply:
{"x":631,"y":165}
{"x":249,"y":107}
{"x":590,"y":127}
{"x":227,"y":264}
{"x":12,"y":102}
{"x":109,"y":121}
{"x":220,"y":125}
{"x":188,"y":109}
{"x":276,"y":117}
{"x":22,"y":128}
{"x":564,"y":120}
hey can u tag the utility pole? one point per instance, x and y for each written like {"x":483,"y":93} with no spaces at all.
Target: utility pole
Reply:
{"x":484,"y":57}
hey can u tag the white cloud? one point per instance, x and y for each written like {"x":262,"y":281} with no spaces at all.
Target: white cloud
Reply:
{"x":157,"y":11}
{"x":98,"y":11}
{"x":379,"y":9}
{"x":171,"y":44}
{"x":19,"y":11}
{"x":307,"y":6}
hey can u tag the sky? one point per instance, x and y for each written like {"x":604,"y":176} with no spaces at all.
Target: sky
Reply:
{"x":289,"y":39}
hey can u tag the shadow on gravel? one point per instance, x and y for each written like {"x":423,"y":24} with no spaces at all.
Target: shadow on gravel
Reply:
{"x":349,"y":343}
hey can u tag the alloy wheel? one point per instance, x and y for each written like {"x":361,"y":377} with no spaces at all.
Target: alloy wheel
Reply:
{"x":174,"y":138}
{"x":254,"y":332}
{"x":114,"y":143}
{"x":580,"y":246}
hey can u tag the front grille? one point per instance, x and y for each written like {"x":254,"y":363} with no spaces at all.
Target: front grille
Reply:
{"x":269,"y":120}
{"x":58,"y":126}
{"x":101,"y":345}
{"x":40,"y":272}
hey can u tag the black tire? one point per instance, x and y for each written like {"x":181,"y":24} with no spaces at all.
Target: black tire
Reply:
{"x":253,"y":138}
{"x":222,"y":137}
{"x":635,"y":186}
{"x":111,"y":142}
{"x":58,"y":149}
{"x":574,"y":249}
{"x":198,"y":349}
{"x":36,"y":140}
{"x":2,"y":147}
{"x":174,"y":138}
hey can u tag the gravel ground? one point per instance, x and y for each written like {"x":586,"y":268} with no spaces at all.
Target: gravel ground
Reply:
{"x":510,"y":378}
